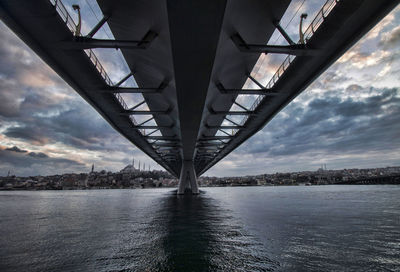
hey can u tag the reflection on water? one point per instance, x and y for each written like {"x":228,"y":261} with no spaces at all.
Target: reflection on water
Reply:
{"x":200,"y":235}
{"x":192,"y":233}
{"x":326,"y":228}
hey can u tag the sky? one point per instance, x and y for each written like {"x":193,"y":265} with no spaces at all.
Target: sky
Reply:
{"x":348,"y":118}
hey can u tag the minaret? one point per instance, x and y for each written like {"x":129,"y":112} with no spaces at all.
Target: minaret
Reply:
{"x":133,"y":163}
{"x":149,"y":167}
{"x":144,"y":166}
{"x":92,"y":168}
{"x":139,"y":166}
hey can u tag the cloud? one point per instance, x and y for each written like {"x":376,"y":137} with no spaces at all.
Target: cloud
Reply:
{"x":331,"y":79}
{"x":391,"y":38}
{"x":16,"y":149}
{"x":20,"y":73}
{"x":24,"y":163}
{"x":378,"y":29}
{"x":79,"y":127}
{"x":38,"y":107}
{"x":364,"y":59}
{"x":33,"y":134}
{"x":39,"y":155}
{"x":335,"y":124}
{"x":10,"y":97}
{"x":354,"y":87}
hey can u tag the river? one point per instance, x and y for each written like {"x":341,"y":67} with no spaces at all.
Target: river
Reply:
{"x":293,"y":228}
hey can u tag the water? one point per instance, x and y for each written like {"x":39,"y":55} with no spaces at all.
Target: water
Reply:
{"x":325,"y":228}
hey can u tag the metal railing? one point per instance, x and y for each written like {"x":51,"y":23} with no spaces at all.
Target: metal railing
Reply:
{"x":314,"y":25}
{"x":98,"y":66}
{"x":69,"y":21}
{"x":62,"y":11}
{"x":319,"y":18}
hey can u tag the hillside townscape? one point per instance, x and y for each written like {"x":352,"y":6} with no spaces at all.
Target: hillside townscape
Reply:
{"x":131,"y":177}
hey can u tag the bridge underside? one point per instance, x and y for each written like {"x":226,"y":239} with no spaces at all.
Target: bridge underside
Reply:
{"x":190,"y":60}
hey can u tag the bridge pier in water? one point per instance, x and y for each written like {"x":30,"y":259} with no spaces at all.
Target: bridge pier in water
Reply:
{"x":187,"y":179}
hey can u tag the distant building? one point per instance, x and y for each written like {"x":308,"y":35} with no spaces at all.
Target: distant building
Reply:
{"x":130,"y":168}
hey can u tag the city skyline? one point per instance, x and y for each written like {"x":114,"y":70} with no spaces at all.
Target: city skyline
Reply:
{"x":348,"y":118}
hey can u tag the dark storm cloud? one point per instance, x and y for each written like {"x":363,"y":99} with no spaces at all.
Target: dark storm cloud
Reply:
{"x":9,"y":104}
{"x":41,"y":109}
{"x":39,"y":155}
{"x":33,"y":163}
{"x":10,"y":52}
{"x":16,"y":149}
{"x":19,"y":71}
{"x":394,"y":38}
{"x":29,"y":133}
{"x":332,"y":125}
{"x":78,"y":127}
{"x":354,"y":87}
{"x":17,"y":60}
{"x":36,"y":101}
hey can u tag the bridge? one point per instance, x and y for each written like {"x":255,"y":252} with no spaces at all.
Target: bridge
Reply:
{"x":191,"y":61}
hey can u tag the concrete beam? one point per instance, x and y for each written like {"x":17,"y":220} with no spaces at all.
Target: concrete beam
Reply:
{"x":80,"y":42}
{"x":195,"y":28}
{"x":212,"y":138}
{"x":224,"y":127}
{"x":153,"y":127}
{"x":214,"y":112}
{"x":187,"y":179}
{"x":293,"y":49}
{"x":262,"y":91}
{"x":145,"y":112}
{"x":162,"y":138}
{"x":117,"y":89}
{"x":131,"y":90}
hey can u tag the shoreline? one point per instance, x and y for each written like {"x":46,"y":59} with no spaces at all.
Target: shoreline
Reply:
{"x":136,"y":188}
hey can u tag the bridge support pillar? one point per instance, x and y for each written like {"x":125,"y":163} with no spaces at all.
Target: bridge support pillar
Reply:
{"x":187,"y":179}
